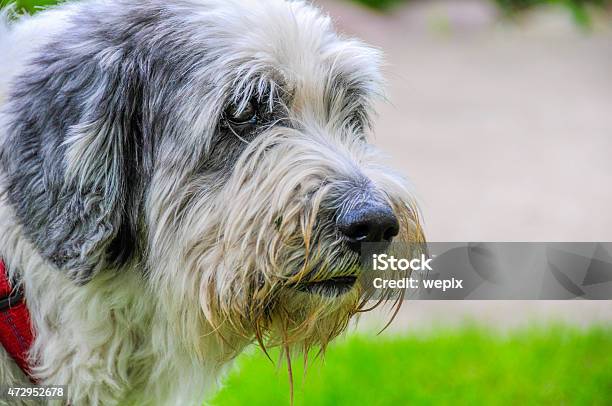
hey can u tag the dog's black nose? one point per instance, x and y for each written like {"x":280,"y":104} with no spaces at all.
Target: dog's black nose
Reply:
{"x":370,"y":222}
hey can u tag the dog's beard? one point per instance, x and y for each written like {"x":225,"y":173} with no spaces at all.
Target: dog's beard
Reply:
{"x":300,"y":288}
{"x":305,"y":299}
{"x":314,"y":303}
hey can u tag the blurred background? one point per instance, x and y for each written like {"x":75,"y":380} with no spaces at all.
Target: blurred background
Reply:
{"x":500,"y":112}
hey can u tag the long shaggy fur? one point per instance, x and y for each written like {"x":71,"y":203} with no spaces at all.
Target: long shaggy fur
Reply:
{"x":154,"y":238}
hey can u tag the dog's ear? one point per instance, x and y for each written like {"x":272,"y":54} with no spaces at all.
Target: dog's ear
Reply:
{"x":71,"y":159}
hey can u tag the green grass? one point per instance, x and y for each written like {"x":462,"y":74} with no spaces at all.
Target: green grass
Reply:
{"x":558,"y":365}
{"x":29,"y":5}
{"x":379,"y":4}
{"x":579,"y":9}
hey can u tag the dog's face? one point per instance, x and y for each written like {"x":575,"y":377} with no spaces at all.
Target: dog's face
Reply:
{"x":223,"y":144}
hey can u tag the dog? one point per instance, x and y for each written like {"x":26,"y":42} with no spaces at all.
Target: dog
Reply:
{"x":181,"y":179}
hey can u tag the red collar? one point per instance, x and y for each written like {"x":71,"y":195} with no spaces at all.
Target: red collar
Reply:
{"x":16,"y":333}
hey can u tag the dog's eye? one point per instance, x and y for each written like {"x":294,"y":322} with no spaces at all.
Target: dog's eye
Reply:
{"x":248,"y":114}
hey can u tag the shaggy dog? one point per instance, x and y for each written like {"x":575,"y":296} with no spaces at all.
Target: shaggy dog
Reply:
{"x":180,"y":179}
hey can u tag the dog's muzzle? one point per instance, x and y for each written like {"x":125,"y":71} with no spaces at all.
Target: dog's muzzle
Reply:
{"x":365,"y":222}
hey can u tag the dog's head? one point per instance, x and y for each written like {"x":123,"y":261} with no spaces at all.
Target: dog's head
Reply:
{"x":219,"y":144}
